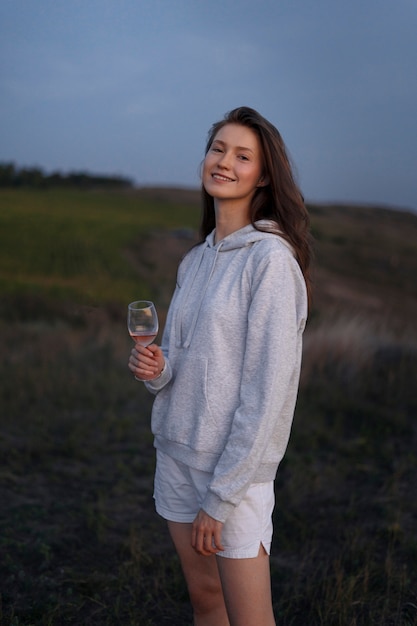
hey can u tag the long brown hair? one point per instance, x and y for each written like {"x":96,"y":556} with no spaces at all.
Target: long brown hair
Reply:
{"x":280,"y":200}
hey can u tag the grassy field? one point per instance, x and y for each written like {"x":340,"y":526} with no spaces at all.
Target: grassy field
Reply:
{"x":79,"y":540}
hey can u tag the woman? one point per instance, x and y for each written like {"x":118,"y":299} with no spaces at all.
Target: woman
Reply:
{"x":226,"y":377}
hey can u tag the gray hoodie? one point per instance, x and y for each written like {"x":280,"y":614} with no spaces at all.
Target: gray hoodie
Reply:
{"x":232,"y":344}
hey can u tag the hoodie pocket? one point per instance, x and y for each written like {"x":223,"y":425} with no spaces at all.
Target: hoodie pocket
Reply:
{"x":181,"y":411}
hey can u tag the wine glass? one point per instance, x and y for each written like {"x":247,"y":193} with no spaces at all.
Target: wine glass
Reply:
{"x":142,"y":321}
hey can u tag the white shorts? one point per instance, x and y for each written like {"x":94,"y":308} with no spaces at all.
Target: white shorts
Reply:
{"x":179,"y":491}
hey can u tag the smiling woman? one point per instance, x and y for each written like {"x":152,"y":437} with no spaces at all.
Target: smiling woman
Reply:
{"x":232,"y":172}
{"x":226,"y":376}
{"x":276,"y":196}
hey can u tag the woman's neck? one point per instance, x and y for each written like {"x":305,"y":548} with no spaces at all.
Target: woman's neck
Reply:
{"x":229,"y":219}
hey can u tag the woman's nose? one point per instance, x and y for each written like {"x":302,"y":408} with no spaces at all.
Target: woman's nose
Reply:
{"x":225,"y":160}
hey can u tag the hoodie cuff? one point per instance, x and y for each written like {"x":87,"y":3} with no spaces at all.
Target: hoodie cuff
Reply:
{"x":217,"y":508}
{"x":160,"y":381}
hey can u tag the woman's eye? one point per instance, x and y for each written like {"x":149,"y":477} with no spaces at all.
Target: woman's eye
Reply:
{"x":243,"y":157}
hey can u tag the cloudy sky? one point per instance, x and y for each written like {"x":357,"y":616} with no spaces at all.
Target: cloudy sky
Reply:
{"x":131,"y":87}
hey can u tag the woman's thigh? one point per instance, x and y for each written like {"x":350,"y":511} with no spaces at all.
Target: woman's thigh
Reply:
{"x":201,"y":574}
{"x":238,"y":590}
{"x":246,"y":585}
{"x":193,"y":564}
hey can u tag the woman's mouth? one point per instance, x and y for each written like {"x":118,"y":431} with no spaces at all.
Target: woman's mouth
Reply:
{"x":222,"y":178}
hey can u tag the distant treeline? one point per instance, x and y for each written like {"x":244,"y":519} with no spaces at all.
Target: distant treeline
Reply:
{"x":34,"y":177}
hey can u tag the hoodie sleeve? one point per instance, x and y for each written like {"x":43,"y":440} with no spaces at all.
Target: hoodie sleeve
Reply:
{"x":269,"y":381}
{"x":159,"y":383}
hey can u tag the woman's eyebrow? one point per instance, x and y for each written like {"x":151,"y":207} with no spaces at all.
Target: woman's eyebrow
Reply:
{"x":222,"y":143}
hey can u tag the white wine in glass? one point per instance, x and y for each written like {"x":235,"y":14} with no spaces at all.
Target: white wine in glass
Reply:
{"x":142,"y":321}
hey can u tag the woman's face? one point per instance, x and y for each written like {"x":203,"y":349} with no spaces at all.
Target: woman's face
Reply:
{"x":232,"y":168}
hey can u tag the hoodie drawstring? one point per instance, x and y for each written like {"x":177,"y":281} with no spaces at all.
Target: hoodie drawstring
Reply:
{"x":197,"y":310}
{"x":187,"y":341}
{"x":185,"y":297}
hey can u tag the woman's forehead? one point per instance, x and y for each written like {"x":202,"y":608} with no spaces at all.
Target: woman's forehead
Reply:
{"x":238,"y":136}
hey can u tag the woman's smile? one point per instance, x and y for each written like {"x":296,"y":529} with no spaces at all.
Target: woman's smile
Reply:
{"x":223,"y":178}
{"x":233,"y":157}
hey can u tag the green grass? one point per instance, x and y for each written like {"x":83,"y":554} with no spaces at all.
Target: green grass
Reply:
{"x":80,"y":542}
{"x":74,"y":245}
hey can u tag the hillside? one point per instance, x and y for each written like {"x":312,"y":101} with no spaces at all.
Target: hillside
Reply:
{"x":365,"y":258}
{"x":82,"y":246}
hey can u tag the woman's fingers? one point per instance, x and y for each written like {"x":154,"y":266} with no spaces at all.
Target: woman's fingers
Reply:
{"x":206,"y":534}
{"x":142,"y":363}
{"x":203,"y":544}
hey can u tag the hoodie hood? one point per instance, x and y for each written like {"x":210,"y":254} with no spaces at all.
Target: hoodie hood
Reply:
{"x":247,"y":235}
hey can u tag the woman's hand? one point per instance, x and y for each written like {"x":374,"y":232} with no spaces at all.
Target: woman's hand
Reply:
{"x":146,"y":363}
{"x":206,"y":534}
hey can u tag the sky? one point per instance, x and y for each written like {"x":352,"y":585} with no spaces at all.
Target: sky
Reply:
{"x":131,"y":88}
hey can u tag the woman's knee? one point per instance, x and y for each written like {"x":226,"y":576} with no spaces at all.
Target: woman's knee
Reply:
{"x":206,"y":594}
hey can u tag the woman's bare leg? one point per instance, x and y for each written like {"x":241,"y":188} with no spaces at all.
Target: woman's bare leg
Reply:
{"x":246,"y":587}
{"x":202,"y":577}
